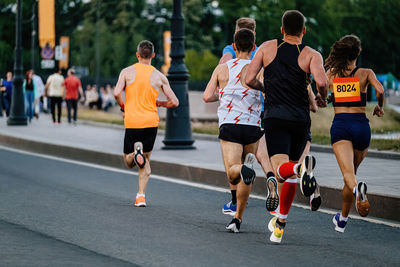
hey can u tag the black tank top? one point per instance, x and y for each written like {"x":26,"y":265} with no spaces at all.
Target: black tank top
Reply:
{"x":285,"y":83}
{"x":29,"y":86}
{"x":361,"y":103}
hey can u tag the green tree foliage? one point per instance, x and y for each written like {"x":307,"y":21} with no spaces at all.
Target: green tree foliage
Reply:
{"x":209,"y":26}
{"x":200,"y":64}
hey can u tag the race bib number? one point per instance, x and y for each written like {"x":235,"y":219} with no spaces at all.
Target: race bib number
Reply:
{"x":347,"y":89}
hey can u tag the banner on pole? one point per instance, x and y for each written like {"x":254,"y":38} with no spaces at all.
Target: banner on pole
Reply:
{"x":47,"y":32}
{"x":167,"y":51}
{"x":64,"y":46}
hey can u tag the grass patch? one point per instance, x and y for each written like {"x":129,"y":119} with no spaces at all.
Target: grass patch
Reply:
{"x":98,"y":116}
{"x":205,"y":128}
{"x":320,"y":127}
{"x":385,"y":144}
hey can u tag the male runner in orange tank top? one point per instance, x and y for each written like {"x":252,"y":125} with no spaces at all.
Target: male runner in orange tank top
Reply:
{"x":142,"y":84}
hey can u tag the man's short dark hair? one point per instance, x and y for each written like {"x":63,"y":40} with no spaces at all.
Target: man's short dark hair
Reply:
{"x":293,"y":22}
{"x":244,"y":40}
{"x":145,"y":49}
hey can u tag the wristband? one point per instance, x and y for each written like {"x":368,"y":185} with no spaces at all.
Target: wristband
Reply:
{"x":122,"y":107}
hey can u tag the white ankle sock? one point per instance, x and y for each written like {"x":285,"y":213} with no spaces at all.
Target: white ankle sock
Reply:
{"x":140,"y":195}
{"x":295,"y":168}
{"x":341,"y":218}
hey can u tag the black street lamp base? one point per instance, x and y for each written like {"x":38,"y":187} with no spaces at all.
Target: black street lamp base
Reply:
{"x":22,"y":121}
{"x":178,"y":144}
{"x":178,"y":147}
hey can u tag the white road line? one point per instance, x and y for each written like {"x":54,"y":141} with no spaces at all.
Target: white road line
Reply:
{"x":189,"y":183}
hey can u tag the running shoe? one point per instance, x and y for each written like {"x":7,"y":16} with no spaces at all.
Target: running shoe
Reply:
{"x":307,"y":179}
{"x":315,"y":199}
{"x":272,"y":201}
{"x":139,"y":158}
{"x":272,"y":223}
{"x":276,"y":229}
{"x":234,"y":225}
{"x":140,"y":201}
{"x":362,"y":203}
{"x":247,"y":172}
{"x":229,"y":209}
{"x":339,"y":225}
{"x":274,"y":213}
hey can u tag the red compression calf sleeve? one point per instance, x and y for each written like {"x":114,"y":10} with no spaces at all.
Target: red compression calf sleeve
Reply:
{"x":287,"y":196}
{"x":286,"y":170}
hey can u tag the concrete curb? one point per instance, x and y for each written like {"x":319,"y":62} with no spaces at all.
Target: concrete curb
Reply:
{"x":382,"y":206}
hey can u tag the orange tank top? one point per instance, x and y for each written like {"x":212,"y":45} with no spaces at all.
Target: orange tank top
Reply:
{"x":140,"y":100}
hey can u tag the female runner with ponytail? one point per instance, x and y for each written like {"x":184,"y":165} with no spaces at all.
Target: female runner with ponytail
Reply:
{"x":350,"y":131}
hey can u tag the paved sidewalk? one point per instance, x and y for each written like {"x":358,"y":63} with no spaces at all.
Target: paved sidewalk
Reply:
{"x":381,"y":175}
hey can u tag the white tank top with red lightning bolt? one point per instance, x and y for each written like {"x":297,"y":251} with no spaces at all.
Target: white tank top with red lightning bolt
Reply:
{"x":237,"y":104}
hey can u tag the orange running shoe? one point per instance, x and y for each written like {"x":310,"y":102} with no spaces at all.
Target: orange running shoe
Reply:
{"x":362,"y":203}
{"x":140,"y":201}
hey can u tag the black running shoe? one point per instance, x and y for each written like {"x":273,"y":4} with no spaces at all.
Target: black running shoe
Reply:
{"x":247,"y":172}
{"x":139,"y":158}
{"x":315,"y":199}
{"x":307,"y":179}
{"x":234,"y":225}
{"x":272,"y":201}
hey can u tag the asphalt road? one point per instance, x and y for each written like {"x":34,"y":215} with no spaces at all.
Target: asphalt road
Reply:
{"x":55,"y":213}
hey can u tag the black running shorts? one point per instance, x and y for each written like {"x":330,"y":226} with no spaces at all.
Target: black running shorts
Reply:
{"x":286,"y":137}
{"x":146,"y":135}
{"x":239,"y":133}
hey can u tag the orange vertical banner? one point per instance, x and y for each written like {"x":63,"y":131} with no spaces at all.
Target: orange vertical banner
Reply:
{"x":167,"y":51}
{"x":47,"y":31}
{"x":64,"y":43}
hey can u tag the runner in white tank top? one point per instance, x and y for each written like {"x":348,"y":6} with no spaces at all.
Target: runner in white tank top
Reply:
{"x":239,"y":120}
{"x":238,"y":105}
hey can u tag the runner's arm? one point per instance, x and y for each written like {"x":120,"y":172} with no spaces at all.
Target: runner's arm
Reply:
{"x":210,"y":93}
{"x":172,"y":101}
{"x":253,"y":70}
{"x":227,"y":54}
{"x":226,"y":57}
{"x":311,"y":98}
{"x":318,"y":72}
{"x":379,"y":93}
{"x":119,"y":87}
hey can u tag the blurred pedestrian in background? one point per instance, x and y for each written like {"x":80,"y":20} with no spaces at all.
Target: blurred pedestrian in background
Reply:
{"x":38,"y":93}
{"x":6,"y":89}
{"x":107,"y":97}
{"x":73,"y":90}
{"x":92,"y":97}
{"x":29,"y":88}
{"x":55,"y":90}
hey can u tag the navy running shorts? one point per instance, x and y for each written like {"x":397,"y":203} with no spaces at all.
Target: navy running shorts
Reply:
{"x":353,"y":127}
{"x":239,"y":133}
{"x":145,"y":135}
{"x":286,"y":137}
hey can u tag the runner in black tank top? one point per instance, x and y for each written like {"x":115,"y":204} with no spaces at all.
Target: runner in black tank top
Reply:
{"x":286,"y":83}
{"x":287,"y":65}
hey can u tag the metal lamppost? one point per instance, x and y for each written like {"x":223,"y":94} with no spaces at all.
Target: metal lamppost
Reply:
{"x":17,"y":113}
{"x":178,"y":134}
{"x":33,"y":40}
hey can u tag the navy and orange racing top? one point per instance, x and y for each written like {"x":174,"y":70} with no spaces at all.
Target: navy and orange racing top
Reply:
{"x":346,"y":92}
